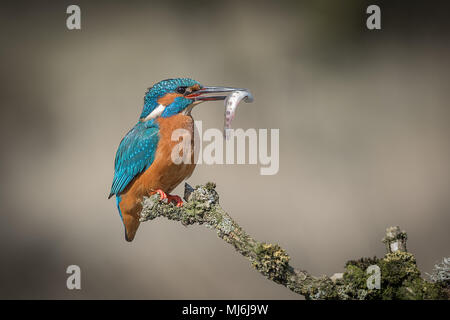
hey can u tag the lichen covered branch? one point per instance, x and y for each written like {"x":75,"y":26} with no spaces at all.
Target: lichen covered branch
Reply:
{"x":202,"y":207}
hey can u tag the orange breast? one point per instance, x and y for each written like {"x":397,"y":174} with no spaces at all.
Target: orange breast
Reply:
{"x":164,"y":174}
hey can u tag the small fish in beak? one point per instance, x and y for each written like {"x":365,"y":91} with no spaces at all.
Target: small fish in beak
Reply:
{"x":232,"y":97}
{"x":231,"y":103}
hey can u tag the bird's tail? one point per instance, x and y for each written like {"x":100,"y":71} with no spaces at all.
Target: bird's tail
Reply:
{"x":130,"y":221}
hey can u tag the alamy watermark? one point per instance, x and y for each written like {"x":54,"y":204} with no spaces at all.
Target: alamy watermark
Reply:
{"x":74,"y":280}
{"x":374,"y":280}
{"x":73,"y":22}
{"x":243,"y":147}
{"x":373,"y":21}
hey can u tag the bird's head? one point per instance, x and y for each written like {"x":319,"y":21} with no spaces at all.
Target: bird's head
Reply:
{"x":172,"y":96}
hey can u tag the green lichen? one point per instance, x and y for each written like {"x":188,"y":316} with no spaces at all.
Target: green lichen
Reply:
{"x":322,"y":289}
{"x":395,"y":239}
{"x":441,"y":275}
{"x":398,"y":267}
{"x":363,"y":263}
{"x":400,"y":277}
{"x":441,"y":272}
{"x":353,"y":285}
{"x":272,"y":261}
{"x":419,"y":289}
{"x":394,"y":233}
{"x":355,"y":276}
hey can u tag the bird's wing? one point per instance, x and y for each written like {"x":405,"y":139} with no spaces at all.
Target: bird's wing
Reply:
{"x":135,"y":154}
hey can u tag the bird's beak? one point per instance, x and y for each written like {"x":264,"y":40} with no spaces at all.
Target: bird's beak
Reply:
{"x":211,"y":93}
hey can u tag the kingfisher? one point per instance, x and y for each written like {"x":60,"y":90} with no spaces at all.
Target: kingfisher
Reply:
{"x":143,"y":164}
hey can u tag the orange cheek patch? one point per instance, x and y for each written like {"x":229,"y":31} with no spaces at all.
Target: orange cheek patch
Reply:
{"x":191,"y":92}
{"x":168,"y":98}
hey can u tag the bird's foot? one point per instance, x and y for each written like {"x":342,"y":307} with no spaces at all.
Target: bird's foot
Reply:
{"x":162,"y":194}
{"x":177,"y":199}
{"x":170,"y":198}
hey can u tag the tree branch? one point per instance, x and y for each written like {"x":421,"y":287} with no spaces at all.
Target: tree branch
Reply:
{"x":202,"y":207}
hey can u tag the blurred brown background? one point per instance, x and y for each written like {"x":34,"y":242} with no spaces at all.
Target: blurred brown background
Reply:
{"x":364,"y":139}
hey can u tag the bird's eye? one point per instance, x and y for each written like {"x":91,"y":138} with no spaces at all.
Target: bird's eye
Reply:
{"x":181,"y":90}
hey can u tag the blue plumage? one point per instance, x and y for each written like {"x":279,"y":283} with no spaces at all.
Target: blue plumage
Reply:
{"x":135,"y":154}
{"x":178,"y":105}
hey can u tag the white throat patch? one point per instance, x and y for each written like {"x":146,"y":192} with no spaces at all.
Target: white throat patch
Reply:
{"x":155,"y":113}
